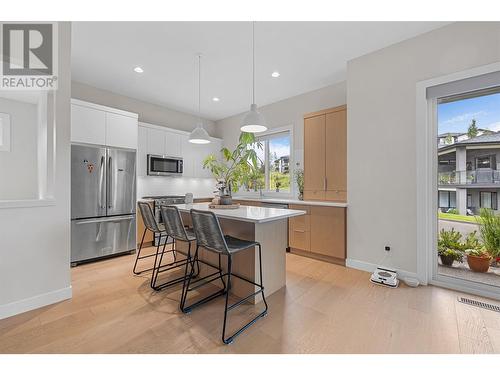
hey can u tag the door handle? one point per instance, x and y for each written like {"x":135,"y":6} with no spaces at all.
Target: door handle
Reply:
{"x":110,"y":183}
{"x":101,"y":178}
{"x":114,"y":219}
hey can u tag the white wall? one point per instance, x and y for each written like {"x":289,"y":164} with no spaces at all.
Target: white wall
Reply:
{"x":151,"y":185}
{"x":35,"y":241}
{"x":381,"y":97}
{"x":19,"y":166}
{"x":287,"y":112}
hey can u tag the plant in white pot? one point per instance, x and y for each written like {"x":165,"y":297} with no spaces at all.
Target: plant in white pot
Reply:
{"x":235,"y":167}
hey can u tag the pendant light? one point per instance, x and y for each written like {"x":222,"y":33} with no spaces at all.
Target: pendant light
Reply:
{"x":253,"y":122}
{"x":199,"y":135}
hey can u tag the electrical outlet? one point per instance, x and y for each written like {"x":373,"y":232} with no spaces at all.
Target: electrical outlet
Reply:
{"x":387,"y":248}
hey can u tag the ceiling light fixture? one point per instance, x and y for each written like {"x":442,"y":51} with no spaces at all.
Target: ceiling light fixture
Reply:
{"x":275,"y":74}
{"x":253,"y":122}
{"x":199,"y":135}
{"x":216,"y":99}
{"x":138,"y":69}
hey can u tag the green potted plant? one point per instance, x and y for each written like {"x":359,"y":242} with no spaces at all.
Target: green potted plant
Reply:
{"x":233,"y":170}
{"x":449,"y":246}
{"x":489,"y":227}
{"x":478,"y":259}
{"x":448,"y":256}
{"x":299,"y":179}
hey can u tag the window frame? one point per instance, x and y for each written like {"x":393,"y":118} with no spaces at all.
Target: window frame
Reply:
{"x":291,"y":164}
{"x":493,"y":199}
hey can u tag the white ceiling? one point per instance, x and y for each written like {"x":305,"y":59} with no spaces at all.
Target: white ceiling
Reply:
{"x":309,"y":55}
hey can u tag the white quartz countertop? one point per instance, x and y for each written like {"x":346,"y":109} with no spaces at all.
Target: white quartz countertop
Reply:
{"x":291,"y":201}
{"x":250,"y":214}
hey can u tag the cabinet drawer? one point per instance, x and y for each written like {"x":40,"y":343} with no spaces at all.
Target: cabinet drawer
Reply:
{"x":336,"y":195}
{"x":314,"y":194}
{"x":300,"y":223}
{"x":299,"y":239}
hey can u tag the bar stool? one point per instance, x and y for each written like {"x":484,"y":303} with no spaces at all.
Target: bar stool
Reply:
{"x":151,"y":225}
{"x":209,"y":236}
{"x":175,"y":228}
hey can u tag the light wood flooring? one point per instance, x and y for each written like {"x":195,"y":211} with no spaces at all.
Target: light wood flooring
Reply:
{"x":325,"y":308}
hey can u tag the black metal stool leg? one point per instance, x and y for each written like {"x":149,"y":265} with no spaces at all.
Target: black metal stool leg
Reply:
{"x":185,"y":286}
{"x":139,"y":253}
{"x":229,"y":264}
{"x":156,"y":268}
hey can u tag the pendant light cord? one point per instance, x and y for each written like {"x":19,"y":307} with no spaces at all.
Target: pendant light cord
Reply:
{"x":199,"y":88}
{"x":253,"y":62}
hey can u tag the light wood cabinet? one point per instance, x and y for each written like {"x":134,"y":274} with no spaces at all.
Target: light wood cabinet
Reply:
{"x":247,"y":202}
{"x":328,"y":231}
{"x":325,"y":155}
{"x":321,"y":233}
{"x":299,"y":229}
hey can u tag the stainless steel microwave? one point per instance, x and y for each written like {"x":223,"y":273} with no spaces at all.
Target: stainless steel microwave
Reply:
{"x":161,"y":165}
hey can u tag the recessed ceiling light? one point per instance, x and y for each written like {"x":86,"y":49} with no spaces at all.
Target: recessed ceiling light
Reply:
{"x":275,"y":74}
{"x":138,"y":69}
{"x":215,"y":99}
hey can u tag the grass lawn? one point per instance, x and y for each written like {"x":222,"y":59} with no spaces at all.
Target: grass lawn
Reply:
{"x":467,"y":219}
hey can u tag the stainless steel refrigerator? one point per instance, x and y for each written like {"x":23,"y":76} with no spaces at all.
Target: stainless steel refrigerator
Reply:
{"x":103,"y":201}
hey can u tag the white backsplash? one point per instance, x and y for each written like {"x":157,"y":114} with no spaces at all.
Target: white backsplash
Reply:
{"x":200,"y":187}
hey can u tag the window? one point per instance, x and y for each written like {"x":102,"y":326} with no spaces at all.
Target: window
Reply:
{"x":483,"y":162}
{"x":4,"y":132}
{"x":488,"y":199}
{"x":469,"y":201}
{"x":274,"y":161}
{"x":447,"y":199}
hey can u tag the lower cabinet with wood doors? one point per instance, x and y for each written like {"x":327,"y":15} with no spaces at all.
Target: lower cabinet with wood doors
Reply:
{"x":321,"y":233}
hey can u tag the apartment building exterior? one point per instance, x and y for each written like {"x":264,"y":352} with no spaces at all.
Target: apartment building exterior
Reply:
{"x":469,"y":172}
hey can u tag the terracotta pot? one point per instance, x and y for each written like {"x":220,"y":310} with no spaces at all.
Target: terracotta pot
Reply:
{"x":478,"y":264}
{"x":447,"y":260}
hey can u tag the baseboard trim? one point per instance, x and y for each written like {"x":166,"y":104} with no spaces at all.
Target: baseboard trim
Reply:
{"x":32,"y":303}
{"x":370,"y":267}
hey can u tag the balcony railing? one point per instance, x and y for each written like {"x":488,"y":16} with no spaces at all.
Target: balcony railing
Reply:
{"x":477,"y":177}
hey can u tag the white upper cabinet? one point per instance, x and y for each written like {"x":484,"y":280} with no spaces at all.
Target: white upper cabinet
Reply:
{"x":156,"y":141}
{"x":142,"y":151}
{"x":96,"y":124}
{"x":173,"y":144}
{"x":88,"y":125}
{"x":121,"y":131}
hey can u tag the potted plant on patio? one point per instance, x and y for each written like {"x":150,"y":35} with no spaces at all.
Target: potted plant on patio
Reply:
{"x":448,"y":256}
{"x":478,"y":259}
{"x":449,"y":246}
{"x":489,"y":226}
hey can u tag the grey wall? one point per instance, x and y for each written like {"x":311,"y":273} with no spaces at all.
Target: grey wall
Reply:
{"x":287,"y":112}
{"x":35,"y":241}
{"x":148,"y":112}
{"x":381,"y":97}
{"x":19,"y":165}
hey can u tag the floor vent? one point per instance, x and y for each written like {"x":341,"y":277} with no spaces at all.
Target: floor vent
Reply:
{"x":480,"y":304}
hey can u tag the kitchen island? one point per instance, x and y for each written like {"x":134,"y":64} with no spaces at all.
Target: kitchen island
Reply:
{"x":262,"y":224}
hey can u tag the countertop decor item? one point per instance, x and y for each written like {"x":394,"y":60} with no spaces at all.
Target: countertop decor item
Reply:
{"x":224,"y":206}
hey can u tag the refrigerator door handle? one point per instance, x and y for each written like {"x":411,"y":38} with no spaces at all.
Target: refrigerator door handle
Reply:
{"x":101,"y":182}
{"x":109,"y":219}
{"x":110,"y":183}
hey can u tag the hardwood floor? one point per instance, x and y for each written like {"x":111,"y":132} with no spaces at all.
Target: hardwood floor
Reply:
{"x":325,"y":308}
